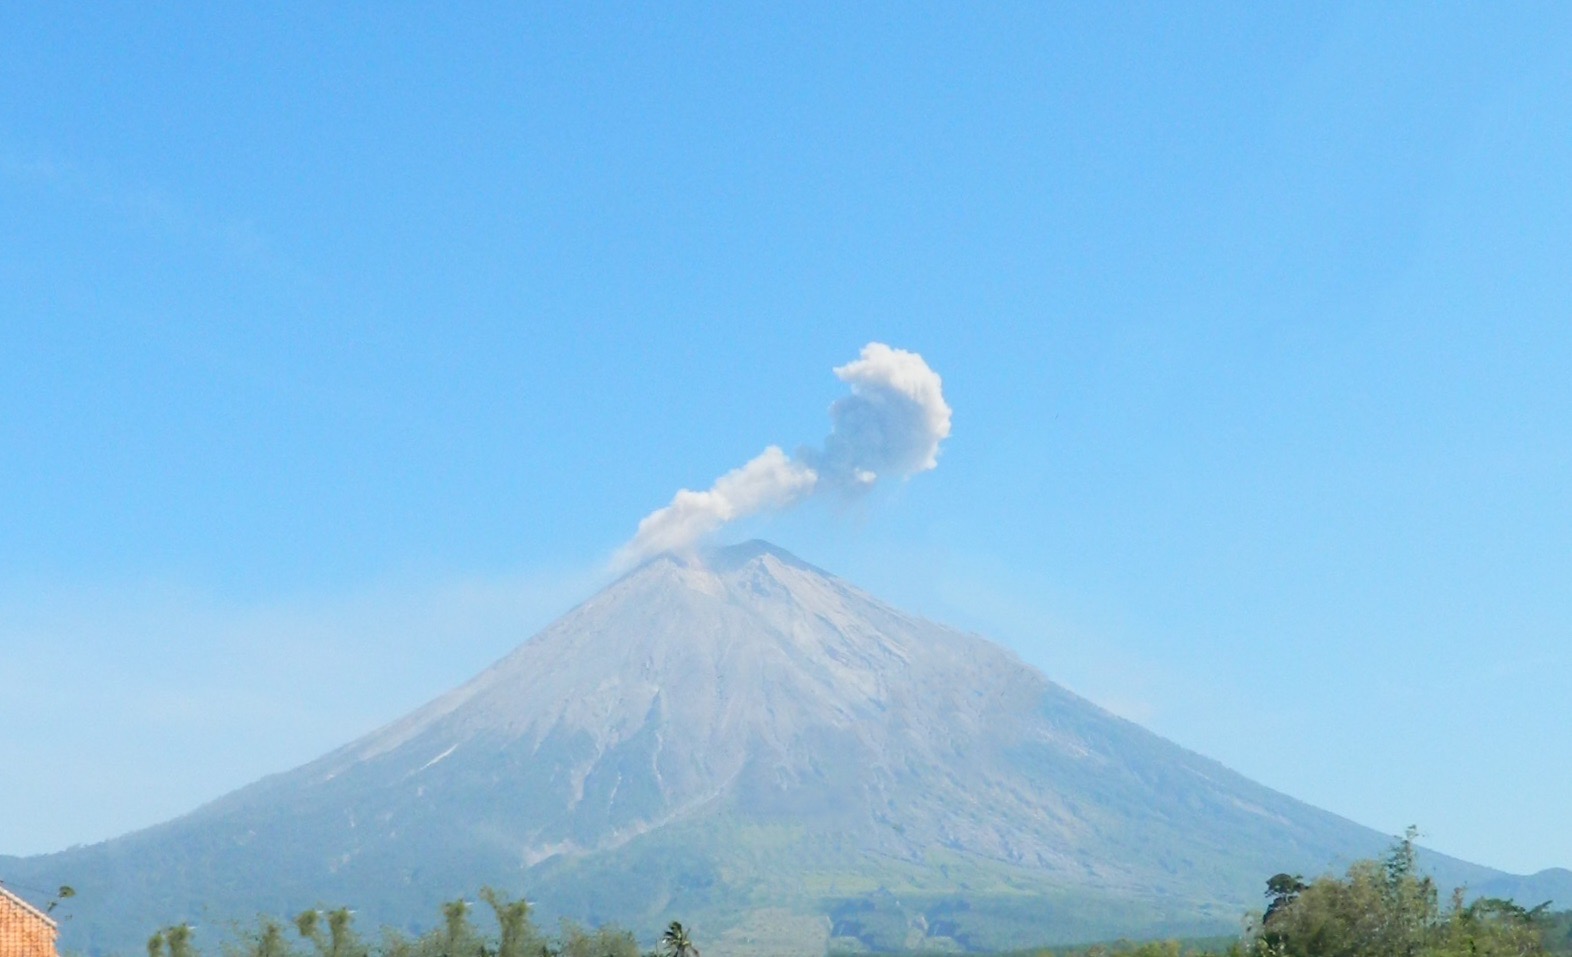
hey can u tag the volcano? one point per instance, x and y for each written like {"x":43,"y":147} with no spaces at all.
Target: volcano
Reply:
{"x":756,"y":747}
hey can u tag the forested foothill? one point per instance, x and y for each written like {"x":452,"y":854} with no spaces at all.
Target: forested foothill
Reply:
{"x":1378,"y":908}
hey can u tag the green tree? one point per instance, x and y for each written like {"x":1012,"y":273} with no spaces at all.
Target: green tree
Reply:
{"x":1380,"y":908}
{"x":1281,"y":891}
{"x":601,"y":942}
{"x":517,"y":936}
{"x":333,"y":936}
{"x":1156,"y":948}
{"x":455,"y":937}
{"x":1387,"y":908}
{"x":676,"y":942}
{"x":1491,"y":927}
{"x":267,"y":940}
{"x":458,"y":936}
{"x":179,"y":940}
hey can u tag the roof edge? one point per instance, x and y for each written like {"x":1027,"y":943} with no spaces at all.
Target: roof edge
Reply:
{"x":10,"y":895}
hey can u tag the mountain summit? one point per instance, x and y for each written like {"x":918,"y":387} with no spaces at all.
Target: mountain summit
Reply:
{"x":745,"y":742}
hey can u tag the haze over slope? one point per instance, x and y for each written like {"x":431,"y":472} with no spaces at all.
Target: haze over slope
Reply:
{"x":745,"y":742}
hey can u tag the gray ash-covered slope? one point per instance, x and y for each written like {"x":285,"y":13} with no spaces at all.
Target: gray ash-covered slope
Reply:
{"x":752,"y":745}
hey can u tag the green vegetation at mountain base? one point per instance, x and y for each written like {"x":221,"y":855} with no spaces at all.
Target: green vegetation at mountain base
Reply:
{"x":1386,"y":908}
{"x":315,"y":933}
{"x":1379,"y":908}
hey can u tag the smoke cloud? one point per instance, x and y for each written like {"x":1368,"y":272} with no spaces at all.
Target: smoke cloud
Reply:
{"x":890,"y":425}
{"x":770,"y":481}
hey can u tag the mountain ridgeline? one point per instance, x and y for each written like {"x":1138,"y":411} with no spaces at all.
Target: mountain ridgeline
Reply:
{"x":756,"y":747}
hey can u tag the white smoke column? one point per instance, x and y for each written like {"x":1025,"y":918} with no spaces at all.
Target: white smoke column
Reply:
{"x":770,"y":481}
{"x":891,"y":424}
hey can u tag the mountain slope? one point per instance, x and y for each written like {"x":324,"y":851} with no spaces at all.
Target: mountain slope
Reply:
{"x":750,"y":744}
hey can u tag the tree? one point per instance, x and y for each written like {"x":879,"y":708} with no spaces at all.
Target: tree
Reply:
{"x":1281,"y":891}
{"x":676,"y":942}
{"x":175,"y":940}
{"x":516,"y":935}
{"x":1387,"y":908}
{"x":332,"y":934}
{"x":266,"y":941}
{"x":1491,"y":927}
{"x":601,"y":942}
{"x":340,"y":940}
{"x":1380,"y":908}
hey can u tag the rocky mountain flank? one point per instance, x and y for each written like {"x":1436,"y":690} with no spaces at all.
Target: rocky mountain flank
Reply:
{"x":754,"y":746}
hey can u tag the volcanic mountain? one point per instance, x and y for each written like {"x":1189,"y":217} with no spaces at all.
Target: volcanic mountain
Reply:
{"x":754,"y":746}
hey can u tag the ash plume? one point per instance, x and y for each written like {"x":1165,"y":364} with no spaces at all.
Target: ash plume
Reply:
{"x":769,"y":481}
{"x":890,"y":426}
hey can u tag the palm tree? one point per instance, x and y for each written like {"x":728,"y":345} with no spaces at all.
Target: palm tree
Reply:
{"x":513,"y":923}
{"x":676,"y":942}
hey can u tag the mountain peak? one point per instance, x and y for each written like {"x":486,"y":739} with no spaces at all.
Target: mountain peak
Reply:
{"x":732,"y":557}
{"x":733,"y":726}
{"x":723,"y":559}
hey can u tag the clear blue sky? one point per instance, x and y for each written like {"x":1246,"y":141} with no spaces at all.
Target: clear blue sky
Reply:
{"x":340,"y":348}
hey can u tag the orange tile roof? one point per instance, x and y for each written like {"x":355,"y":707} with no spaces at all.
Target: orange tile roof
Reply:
{"x":25,"y":931}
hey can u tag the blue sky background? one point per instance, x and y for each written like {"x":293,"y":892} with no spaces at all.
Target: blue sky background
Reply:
{"x":340,"y":349}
